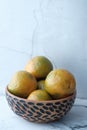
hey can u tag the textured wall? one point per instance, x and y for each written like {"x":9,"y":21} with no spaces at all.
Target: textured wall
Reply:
{"x":54,"y":28}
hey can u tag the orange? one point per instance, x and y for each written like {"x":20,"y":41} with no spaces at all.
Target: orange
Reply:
{"x":39,"y":66}
{"x":60,"y":83}
{"x":40,"y":84}
{"x":39,"y":95}
{"x":22,"y":84}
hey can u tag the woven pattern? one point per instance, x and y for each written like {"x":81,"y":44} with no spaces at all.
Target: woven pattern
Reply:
{"x":42,"y":111}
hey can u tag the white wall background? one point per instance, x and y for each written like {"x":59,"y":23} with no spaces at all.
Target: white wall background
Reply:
{"x":54,"y":28}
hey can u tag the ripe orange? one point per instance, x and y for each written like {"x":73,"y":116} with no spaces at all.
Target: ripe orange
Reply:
{"x":40,"y":84}
{"x":39,"y":95}
{"x":60,"y":83}
{"x":39,"y":66}
{"x":22,"y":84}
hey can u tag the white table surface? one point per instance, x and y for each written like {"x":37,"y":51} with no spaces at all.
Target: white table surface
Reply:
{"x":74,"y":120}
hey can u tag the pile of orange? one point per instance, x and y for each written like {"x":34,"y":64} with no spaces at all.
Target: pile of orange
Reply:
{"x":39,"y":81}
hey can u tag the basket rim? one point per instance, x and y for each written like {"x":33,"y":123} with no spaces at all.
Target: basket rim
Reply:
{"x":47,"y":101}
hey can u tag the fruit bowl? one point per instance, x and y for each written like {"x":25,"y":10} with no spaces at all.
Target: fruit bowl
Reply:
{"x":40,"y":111}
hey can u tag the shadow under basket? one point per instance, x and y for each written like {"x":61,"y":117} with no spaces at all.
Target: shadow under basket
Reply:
{"x":40,"y":111}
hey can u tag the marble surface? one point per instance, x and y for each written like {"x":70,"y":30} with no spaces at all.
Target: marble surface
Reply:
{"x":56,"y":29}
{"x":76,"y":119}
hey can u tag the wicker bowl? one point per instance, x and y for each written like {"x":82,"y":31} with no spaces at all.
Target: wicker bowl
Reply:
{"x":40,"y":111}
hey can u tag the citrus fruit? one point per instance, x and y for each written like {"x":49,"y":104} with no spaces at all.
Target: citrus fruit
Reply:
{"x":40,"y":84}
{"x":22,"y":84}
{"x":39,"y":95}
{"x":60,"y":83}
{"x":39,"y":66}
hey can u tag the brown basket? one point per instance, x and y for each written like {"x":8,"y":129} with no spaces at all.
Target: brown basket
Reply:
{"x":40,"y":111}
